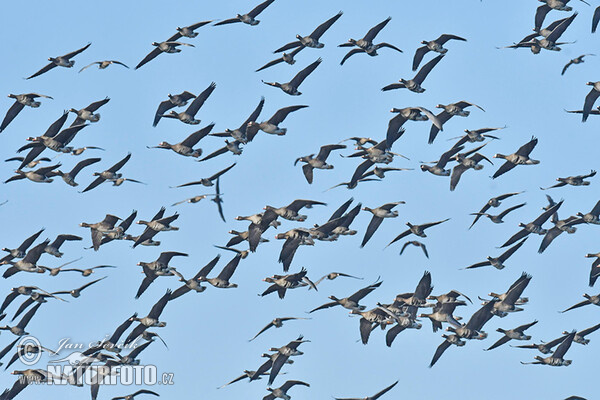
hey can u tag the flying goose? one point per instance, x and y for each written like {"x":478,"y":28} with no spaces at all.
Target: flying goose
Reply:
{"x":417,"y":244}
{"x":465,"y":163}
{"x":281,"y":283}
{"x":97,"y":229}
{"x":543,"y":347}
{"x":233,"y":147}
{"x":177,"y":100}
{"x":413,"y":114}
{"x":556,"y":359}
{"x":222,"y":280}
{"x":367,"y":41}
{"x":580,"y":336}
{"x":194,"y":284}
{"x":351,"y":302}
{"x":218,"y":199}
{"x":281,"y":392}
{"x":520,"y":157}
{"x":249,"y":18}
{"x":247,"y":374}
{"x":40,"y":175}
{"x":374,"y":397}
{"x":436,"y":45}
{"x":118,"y":232}
{"x":540,"y":14}
{"x":560,"y":226}
{"x":311,"y":40}
{"x":104,"y":64}
{"x":84,"y":272}
{"x":110,"y":174}
{"x":60,"y":61}
{"x":288,"y":58}
{"x":319,"y":162}
{"x":20,"y":290}
{"x":372,"y":51}
{"x":80,"y":150}
{"x":593,"y":216}
{"x":418,"y":230}
{"x":595,"y":270}
{"x":291,"y":87}
{"x":272,"y":125}
{"x":477,"y":135}
{"x":333,"y":275}
{"x":277,"y":323}
{"x":379,"y":213}
{"x":188,"y":116}
{"x":88,"y":113}
{"x":282,"y":356}
{"x":507,"y":303}
{"x":550,"y":41}
{"x":577,"y":180}
{"x":239,"y":134}
{"x":414,"y":84}
{"x":56,"y":143}
{"x":133,"y":395}
{"x":20,"y":251}
{"x":534,"y":226}
{"x":152,"y":319}
{"x":595,"y":300}
{"x":168,"y":46}
{"x":439,"y":168}
{"x":29,"y":262}
{"x":185,"y":147}
{"x":21,"y":100}
{"x":493,"y":202}
{"x":77,"y":292}
{"x":31,"y":164}
{"x":19,"y":329}
{"x":577,"y":60}
{"x":207,"y":181}
{"x":516,"y":334}
{"x":498,"y":219}
{"x":473,"y":328}
{"x":155,"y":226}
{"x":450,"y":110}
{"x":53,"y":248}
{"x":442,"y":312}
{"x":69,"y":177}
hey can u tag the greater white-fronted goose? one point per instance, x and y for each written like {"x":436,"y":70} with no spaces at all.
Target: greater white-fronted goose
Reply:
{"x":239,"y":134}
{"x":591,"y":217}
{"x":177,"y":100}
{"x":277,"y":323}
{"x":374,"y":397}
{"x":69,"y":177}
{"x":465,"y":163}
{"x":168,"y":46}
{"x":40,"y":175}
{"x":133,"y":395}
{"x":439,"y":168}
{"x":311,"y":40}
{"x":417,"y":244}
{"x":104,"y":64}
{"x":450,"y":111}
{"x":319,"y":162}
{"x":493,"y":202}
{"x":333,"y":275}
{"x":520,"y":157}
{"x":367,"y":41}
{"x":508,"y":302}
{"x":498,"y":262}
{"x":534,"y":226}
{"x":291,"y":87}
{"x":414,"y":84}
{"x":233,"y":147}
{"x":189,"y":115}
{"x":188,"y":31}
{"x":110,"y":174}
{"x":557,"y":358}
{"x":580,"y":336}
{"x":194,"y":284}
{"x":436,"y":45}
{"x":60,"y":61}
{"x":155,"y":226}
{"x":595,"y":300}
{"x":418,"y":230}
{"x":578,"y":180}
{"x":88,"y":113}
{"x":281,"y":392}
{"x":577,"y":60}
{"x":272,"y":125}
{"x":379,"y":213}
{"x":285,"y":57}
{"x":21,"y":100}
{"x":281,"y":283}
{"x":560,"y":226}
{"x":77,"y":292}
{"x":53,"y":248}
{"x":249,"y":18}
{"x":540,"y":14}
{"x":29,"y":262}
{"x":498,"y":219}
{"x":185,"y":147}
{"x":477,"y":135}
{"x":19,"y":329}
{"x":152,"y":319}
{"x":412,"y":114}
{"x":207,"y":181}
{"x":371,"y":51}
{"x":351,"y":302}
{"x":516,"y":334}
{"x":20,"y":251}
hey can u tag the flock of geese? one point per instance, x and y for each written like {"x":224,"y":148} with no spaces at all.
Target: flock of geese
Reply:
{"x":393,"y":316}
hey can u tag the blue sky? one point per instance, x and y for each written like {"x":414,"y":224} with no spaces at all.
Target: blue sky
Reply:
{"x":207,"y":333}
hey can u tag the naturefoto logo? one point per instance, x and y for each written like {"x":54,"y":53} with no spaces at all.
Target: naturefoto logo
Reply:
{"x":77,"y":368}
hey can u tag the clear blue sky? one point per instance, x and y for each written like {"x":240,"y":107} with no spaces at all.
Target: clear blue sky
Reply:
{"x":207,"y":333}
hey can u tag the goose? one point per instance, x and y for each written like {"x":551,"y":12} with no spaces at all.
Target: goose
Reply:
{"x":418,"y":230}
{"x":272,"y":125}
{"x":277,"y":323}
{"x":87,"y":113}
{"x":333,"y":275}
{"x":473,"y":328}
{"x":498,"y":219}
{"x":28,"y":377}
{"x":155,"y":226}
{"x":544,"y":347}
{"x":412,"y":114}
{"x":133,"y":395}
{"x":281,"y":392}
{"x":20,"y":251}
{"x":77,"y":292}
{"x":294,"y":238}
{"x":422,"y":291}
{"x":498,"y":262}
{"x":23,"y":350}
{"x":38,"y":148}
{"x":540,"y":14}
{"x":510,"y":334}
{"x":147,"y":242}
{"x":521,"y":157}
{"x":87,"y":271}
{"x":131,"y":358}
{"x":162,"y":262}
{"x":282,"y":356}
{"x":240,"y":237}
{"x":222,"y":280}
{"x":367,"y":41}
{"x":439,"y":167}
{"x":281,"y":283}
{"x":250,"y":18}
{"x":374,"y":397}
{"x":593,"y":216}
{"x":29,"y":262}
{"x":372,"y":51}
{"x":414,"y":84}
{"x":534,"y":226}
{"x":35,"y":297}
{"x":351,"y":302}
{"x":577,"y":180}
{"x":104,"y":64}
{"x":218,"y":200}
{"x":208,"y":182}
{"x":381,"y":171}
{"x":417,"y":244}
{"x":233,"y":147}
{"x":110,"y":174}
{"x":31,"y":164}
{"x":290,"y":212}
{"x":60,"y":61}
{"x":595,"y":300}
{"x":21,"y":100}
{"x":319,"y":162}
{"x":450,"y":111}
{"x":595,"y":270}
{"x":577,"y":60}
{"x":239,"y":134}
{"x":177,"y":100}
{"x":507,"y":303}
{"x":590,"y":99}
{"x":40,"y":175}
{"x":556,"y":359}
{"x":118,"y":232}
{"x":550,"y":41}
{"x":465,"y":163}
{"x":185,"y":147}
{"x":370,"y":319}
{"x":436,"y":45}
{"x":53,"y":248}
{"x":247,"y":374}
{"x":194,"y":283}
{"x":493,"y":202}
{"x":19,"y":329}
{"x":56,"y":143}
{"x":192,"y":200}
{"x":442,"y":312}
{"x":80,"y":150}
{"x":69,"y":177}
{"x":106,"y":225}
{"x":285,"y":57}
{"x":580,"y":336}
{"x":242,"y":253}
{"x":168,"y":46}
{"x":291,"y":87}
{"x":188,"y":31}
{"x":477,"y":135}
{"x":379,"y":213}
{"x":448,"y":341}
{"x":560,"y":226}
{"x":188,"y":116}
{"x":152,"y":319}
{"x":311,"y":40}
{"x":20,"y":290}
